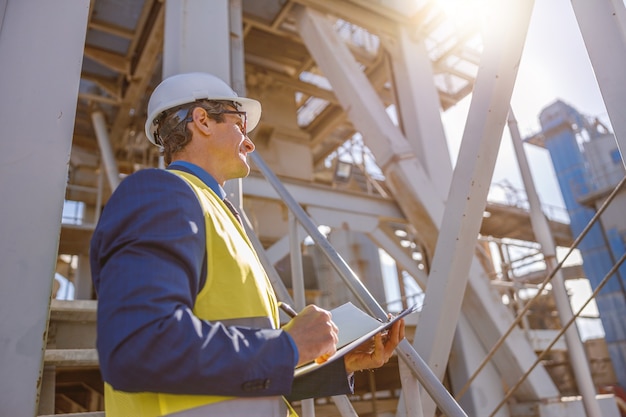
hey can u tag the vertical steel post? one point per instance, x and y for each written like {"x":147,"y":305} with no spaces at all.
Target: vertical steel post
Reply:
{"x":541,"y":229}
{"x":297,"y":283}
{"x":38,"y":105}
{"x":106,"y":151}
{"x":197,"y":38}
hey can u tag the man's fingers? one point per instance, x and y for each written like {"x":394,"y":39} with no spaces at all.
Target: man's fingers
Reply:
{"x":397,"y":331}
{"x":314,"y":333}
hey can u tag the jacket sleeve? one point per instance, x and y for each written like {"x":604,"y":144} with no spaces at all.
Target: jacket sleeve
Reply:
{"x":147,"y":257}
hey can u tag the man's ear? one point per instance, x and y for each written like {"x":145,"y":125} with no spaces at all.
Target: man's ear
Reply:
{"x":201,"y":120}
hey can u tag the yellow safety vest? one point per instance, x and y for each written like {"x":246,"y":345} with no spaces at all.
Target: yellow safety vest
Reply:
{"x":237,"y":287}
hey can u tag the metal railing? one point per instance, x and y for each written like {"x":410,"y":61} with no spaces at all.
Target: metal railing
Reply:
{"x":405,"y":351}
{"x":530,"y":303}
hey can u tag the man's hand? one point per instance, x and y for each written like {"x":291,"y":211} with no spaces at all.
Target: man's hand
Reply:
{"x":314,"y":333}
{"x":375,"y":353}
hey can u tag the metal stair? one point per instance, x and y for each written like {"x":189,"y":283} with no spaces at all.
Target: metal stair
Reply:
{"x":71,"y":380}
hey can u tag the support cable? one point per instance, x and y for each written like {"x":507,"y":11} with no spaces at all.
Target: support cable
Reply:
{"x":561,"y":332}
{"x":543,"y":285}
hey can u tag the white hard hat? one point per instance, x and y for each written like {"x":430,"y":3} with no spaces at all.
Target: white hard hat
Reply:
{"x":186,"y":88}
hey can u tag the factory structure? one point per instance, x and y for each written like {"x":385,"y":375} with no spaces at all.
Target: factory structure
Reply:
{"x":589,"y":167}
{"x":353,"y":195}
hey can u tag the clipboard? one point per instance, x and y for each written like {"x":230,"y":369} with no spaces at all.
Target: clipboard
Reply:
{"x":357,"y":328}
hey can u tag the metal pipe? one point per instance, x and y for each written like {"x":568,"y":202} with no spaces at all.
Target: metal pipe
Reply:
{"x":106,"y":151}
{"x":404,"y":350}
{"x":344,"y":406}
{"x":297,"y":283}
{"x":541,"y":230}
{"x":295,"y":253}
{"x":283,"y":295}
{"x":99,"y":195}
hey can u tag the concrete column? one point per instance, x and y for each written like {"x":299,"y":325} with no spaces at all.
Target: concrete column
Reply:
{"x":197,"y":37}
{"x":38,"y":105}
{"x":82,"y":280}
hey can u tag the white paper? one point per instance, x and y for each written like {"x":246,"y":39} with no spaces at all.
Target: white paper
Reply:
{"x":355,"y":328}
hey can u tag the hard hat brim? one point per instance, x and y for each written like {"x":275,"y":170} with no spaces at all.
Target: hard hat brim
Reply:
{"x":250,"y":106}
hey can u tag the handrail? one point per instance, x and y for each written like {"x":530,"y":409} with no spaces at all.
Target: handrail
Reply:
{"x":542,"y":286}
{"x":602,"y":283}
{"x":418,"y":366}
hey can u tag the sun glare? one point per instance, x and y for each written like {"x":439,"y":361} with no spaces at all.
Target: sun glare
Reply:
{"x":465,"y":14}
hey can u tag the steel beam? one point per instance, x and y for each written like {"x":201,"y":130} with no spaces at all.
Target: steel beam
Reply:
{"x":504,"y":42}
{"x":36,"y":122}
{"x":541,"y":228}
{"x":405,"y":174}
{"x":309,"y":195}
{"x":603,"y":26}
{"x":419,"y":107}
{"x":490,"y":319}
{"x":106,"y":150}
{"x":404,"y":349}
{"x":399,"y":255}
{"x":467,"y":353}
{"x":197,"y":38}
{"x":412,"y":188}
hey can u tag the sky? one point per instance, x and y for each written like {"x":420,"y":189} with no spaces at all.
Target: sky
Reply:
{"x":554,"y":66}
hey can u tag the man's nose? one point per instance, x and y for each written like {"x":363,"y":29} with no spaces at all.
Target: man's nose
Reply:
{"x":248,"y":145}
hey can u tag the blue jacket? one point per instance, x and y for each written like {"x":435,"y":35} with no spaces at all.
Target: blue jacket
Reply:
{"x":148,"y":265}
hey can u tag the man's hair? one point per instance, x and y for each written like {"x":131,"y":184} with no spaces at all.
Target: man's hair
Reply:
{"x":172,"y":128}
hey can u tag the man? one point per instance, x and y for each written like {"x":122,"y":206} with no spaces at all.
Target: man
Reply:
{"x":187,"y":319}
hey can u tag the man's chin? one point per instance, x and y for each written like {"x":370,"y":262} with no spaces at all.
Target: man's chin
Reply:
{"x":243,"y":173}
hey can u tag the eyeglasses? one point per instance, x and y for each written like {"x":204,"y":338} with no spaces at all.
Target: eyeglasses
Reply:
{"x":184,"y":116}
{"x":244,"y":118}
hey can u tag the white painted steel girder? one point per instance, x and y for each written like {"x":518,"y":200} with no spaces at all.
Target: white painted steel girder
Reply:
{"x":603,"y":26}
{"x":467,"y":353}
{"x":412,"y":187}
{"x":106,"y":150}
{"x":41,"y":50}
{"x":197,"y":38}
{"x":281,"y":247}
{"x":367,"y":113}
{"x":503,"y":44}
{"x":471,"y":180}
{"x":419,"y":106}
{"x":401,"y":257}
{"x":310,"y":196}
{"x":541,"y":229}
{"x":338,"y":219}
{"x":490,"y":319}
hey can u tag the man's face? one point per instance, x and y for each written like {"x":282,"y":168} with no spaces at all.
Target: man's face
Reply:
{"x":229,"y":147}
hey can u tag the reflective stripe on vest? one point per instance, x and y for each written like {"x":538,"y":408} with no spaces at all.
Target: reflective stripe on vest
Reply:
{"x":237,"y":290}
